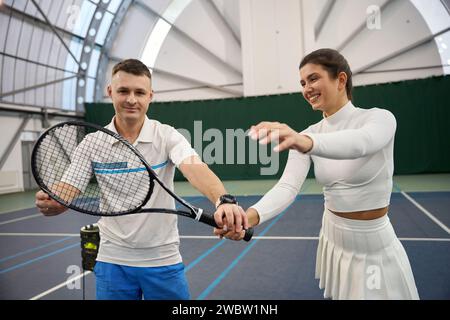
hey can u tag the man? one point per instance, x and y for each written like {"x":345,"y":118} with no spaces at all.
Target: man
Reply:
{"x":139,"y":255}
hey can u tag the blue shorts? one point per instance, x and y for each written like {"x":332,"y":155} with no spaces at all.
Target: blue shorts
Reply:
{"x":117,"y":282}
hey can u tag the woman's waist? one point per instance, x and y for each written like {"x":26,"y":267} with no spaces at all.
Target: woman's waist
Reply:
{"x":362,"y":215}
{"x":358,"y":203}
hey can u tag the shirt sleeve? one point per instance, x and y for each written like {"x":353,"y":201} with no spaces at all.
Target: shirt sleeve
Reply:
{"x":79,"y":172}
{"x":178,"y":147}
{"x":284,"y":192}
{"x":375,"y":133}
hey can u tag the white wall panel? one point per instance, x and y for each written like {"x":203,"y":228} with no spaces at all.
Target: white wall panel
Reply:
{"x":271,"y":46}
{"x":11,"y":173}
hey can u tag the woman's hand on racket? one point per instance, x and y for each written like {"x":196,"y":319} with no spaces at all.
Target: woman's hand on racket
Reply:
{"x":287,"y":138}
{"x":47,"y":206}
{"x":253,"y":220}
{"x":229,"y":234}
{"x":231,"y":217}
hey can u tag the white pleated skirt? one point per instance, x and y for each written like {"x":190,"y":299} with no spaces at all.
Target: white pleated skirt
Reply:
{"x":362,"y":259}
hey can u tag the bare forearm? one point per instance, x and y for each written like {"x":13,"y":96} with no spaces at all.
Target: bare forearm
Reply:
{"x":253,"y":217}
{"x":208,"y":184}
{"x":203,"y":179}
{"x":65,"y":191}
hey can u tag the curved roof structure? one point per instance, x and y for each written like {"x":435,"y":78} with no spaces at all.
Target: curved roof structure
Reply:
{"x":58,"y":54}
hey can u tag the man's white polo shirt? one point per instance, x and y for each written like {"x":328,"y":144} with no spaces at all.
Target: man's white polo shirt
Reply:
{"x":147,"y":239}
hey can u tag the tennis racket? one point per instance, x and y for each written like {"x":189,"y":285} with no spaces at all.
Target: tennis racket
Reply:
{"x":93,"y":170}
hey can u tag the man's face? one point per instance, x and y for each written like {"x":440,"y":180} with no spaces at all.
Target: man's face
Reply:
{"x":131,"y":95}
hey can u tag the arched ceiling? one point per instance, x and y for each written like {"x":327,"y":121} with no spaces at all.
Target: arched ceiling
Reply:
{"x":59,"y":54}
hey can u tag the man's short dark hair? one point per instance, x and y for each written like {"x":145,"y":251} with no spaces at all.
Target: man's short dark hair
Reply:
{"x":132,"y":66}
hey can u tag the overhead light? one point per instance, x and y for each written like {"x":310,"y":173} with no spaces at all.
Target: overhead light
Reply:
{"x":160,"y":31}
{"x":155,"y":42}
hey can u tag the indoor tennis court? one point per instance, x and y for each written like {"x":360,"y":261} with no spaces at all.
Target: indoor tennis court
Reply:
{"x":37,"y":252}
{"x":216,"y":68}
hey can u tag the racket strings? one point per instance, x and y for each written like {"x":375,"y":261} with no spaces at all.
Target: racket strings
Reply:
{"x":95,"y":173}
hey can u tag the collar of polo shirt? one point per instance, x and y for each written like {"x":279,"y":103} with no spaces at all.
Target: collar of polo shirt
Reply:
{"x":144,"y":136}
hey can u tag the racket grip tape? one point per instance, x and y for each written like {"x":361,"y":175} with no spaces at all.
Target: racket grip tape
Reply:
{"x":209,"y":219}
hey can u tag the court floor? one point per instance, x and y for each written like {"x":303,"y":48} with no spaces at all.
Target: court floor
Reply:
{"x":40,"y":256}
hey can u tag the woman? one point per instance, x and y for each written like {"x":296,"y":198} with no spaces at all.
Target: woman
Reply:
{"x":359,"y":255}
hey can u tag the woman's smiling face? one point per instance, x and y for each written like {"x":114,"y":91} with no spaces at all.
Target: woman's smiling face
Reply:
{"x":322,"y":91}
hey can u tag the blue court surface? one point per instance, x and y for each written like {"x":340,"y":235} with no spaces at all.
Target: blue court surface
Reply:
{"x":40,"y":256}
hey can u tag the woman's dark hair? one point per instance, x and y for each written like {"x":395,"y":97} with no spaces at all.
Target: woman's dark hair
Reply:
{"x":333,"y":62}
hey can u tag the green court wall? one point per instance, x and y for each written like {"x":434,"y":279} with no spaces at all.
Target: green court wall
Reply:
{"x":421,"y":107}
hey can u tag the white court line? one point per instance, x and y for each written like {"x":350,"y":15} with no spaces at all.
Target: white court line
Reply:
{"x":284,"y":238}
{"x":23,"y":218}
{"x":65,"y":283}
{"x":424,"y":239}
{"x":11,"y":234}
{"x":317,"y":238}
{"x":19,"y":234}
{"x":255,"y":237}
{"x":15,"y":211}
{"x":59,"y":286}
{"x":436,"y":220}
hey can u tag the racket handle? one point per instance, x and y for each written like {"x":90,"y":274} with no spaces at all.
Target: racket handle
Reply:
{"x":248,"y":234}
{"x":209,"y":219}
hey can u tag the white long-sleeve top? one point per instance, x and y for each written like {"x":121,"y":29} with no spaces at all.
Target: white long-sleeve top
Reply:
{"x":353,"y":161}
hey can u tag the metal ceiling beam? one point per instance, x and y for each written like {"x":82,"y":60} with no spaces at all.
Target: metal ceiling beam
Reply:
{"x":400,"y":52}
{"x":104,"y":52}
{"x":206,"y":84}
{"x":23,"y":108}
{"x":195,"y":88}
{"x":37,"y":86}
{"x":96,"y":3}
{"x":211,"y":4}
{"x":55,"y":32}
{"x":8,"y":10}
{"x":187,"y":37}
{"x":38,"y":63}
{"x":446,"y":4}
{"x":184,"y":78}
{"x":440,"y":66}
{"x":86,"y":56}
{"x":323,"y":17}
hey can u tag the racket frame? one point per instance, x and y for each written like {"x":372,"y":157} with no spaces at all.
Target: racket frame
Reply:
{"x":194,"y":212}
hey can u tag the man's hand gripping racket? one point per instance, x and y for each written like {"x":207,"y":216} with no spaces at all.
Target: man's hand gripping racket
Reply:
{"x":95,"y":171}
